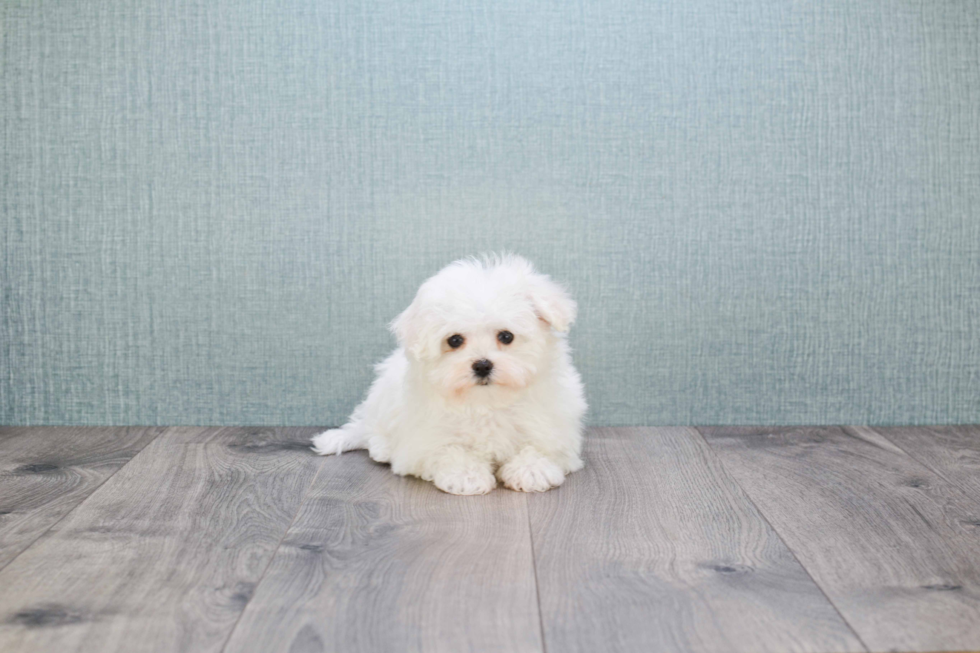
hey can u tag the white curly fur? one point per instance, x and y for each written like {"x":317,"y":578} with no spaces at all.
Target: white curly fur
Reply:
{"x":430,"y":415}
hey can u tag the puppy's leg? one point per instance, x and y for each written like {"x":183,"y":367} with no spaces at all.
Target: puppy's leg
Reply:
{"x":531,"y":471}
{"x":336,"y":441}
{"x":378,"y":449}
{"x":457,"y":471}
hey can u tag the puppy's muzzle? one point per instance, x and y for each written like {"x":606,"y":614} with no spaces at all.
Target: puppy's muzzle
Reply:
{"x":482,"y":368}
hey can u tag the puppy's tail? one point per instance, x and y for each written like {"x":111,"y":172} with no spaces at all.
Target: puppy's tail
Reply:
{"x":337,"y":441}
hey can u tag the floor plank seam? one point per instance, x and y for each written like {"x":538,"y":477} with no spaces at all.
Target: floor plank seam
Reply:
{"x":908,"y":454}
{"x":783,"y":540}
{"x":90,"y":494}
{"x":272,"y":558}
{"x":953,"y":482}
{"x":534,"y":568}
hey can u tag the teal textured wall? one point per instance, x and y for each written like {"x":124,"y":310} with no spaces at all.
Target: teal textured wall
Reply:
{"x":769,"y":211}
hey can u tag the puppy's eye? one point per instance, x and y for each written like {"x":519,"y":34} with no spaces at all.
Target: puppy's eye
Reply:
{"x":455,"y":341}
{"x":505,"y":337}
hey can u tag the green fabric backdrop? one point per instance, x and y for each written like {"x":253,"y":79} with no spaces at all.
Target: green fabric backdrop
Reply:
{"x":769,"y":211}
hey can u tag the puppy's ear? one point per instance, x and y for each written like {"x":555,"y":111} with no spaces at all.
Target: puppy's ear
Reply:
{"x":409,"y":329}
{"x":551,"y":302}
{"x":404,"y":327}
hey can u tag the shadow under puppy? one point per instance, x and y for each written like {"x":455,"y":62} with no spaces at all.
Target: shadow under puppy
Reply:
{"x":481,"y":388}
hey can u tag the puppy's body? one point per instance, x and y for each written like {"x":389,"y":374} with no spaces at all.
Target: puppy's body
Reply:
{"x":505,"y":402}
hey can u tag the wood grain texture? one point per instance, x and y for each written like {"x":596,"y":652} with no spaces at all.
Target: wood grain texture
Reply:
{"x":653,"y":547}
{"x":377,"y":562}
{"x":893,"y":545}
{"x":952,"y":452}
{"x":165,"y":555}
{"x":45,"y":472}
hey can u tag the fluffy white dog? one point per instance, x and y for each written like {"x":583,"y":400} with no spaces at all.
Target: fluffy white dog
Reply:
{"x":482,"y":386}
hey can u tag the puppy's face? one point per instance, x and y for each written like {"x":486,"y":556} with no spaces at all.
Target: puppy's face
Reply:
{"x":484,"y":331}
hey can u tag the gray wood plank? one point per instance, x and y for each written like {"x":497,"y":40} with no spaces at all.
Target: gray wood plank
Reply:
{"x":45,"y":471}
{"x":952,"y":452}
{"x":377,"y":562}
{"x":653,"y":547}
{"x":165,"y":555}
{"x":895,"y":547}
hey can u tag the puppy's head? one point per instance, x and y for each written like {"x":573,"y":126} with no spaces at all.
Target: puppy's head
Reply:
{"x":484,"y":329}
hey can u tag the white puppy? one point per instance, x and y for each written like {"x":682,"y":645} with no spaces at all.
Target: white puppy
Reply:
{"x":482,"y":384}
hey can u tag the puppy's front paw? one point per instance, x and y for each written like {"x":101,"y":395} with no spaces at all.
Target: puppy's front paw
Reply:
{"x":466,"y":480}
{"x":529,"y":471}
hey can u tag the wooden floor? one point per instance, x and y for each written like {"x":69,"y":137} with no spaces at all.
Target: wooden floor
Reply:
{"x":671,"y":539}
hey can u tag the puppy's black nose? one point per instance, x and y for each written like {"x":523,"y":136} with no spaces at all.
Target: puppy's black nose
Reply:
{"x":482,"y":368}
